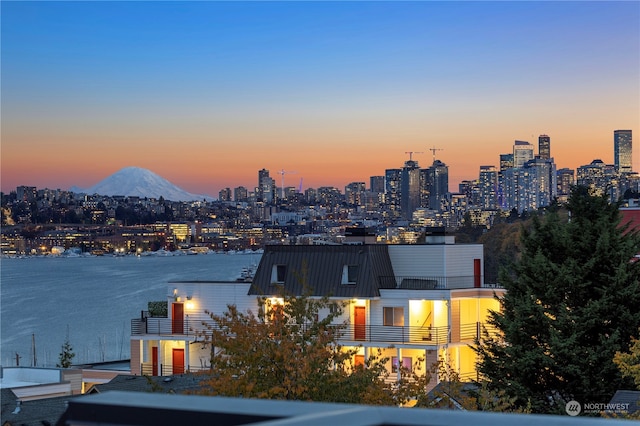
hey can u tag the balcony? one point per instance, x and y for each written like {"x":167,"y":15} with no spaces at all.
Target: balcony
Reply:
{"x":167,"y":326}
{"x":387,"y":334}
{"x":382,"y":334}
{"x":433,"y":282}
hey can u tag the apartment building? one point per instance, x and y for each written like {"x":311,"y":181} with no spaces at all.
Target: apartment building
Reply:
{"x":420,"y":301}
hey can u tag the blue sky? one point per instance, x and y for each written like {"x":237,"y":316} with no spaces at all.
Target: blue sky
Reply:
{"x":207,"y":93}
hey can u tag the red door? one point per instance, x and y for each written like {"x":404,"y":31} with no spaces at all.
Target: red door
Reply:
{"x":178,"y":361}
{"x":177,"y":316}
{"x":360,"y":322}
{"x":154,"y":361}
{"x":476,"y":273}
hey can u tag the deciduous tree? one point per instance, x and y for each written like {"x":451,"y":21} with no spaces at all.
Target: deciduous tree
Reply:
{"x":290,"y":350}
{"x":629,"y":362}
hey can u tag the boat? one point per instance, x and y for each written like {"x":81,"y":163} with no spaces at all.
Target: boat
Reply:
{"x":247,"y":273}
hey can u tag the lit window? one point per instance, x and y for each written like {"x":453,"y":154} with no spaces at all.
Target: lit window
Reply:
{"x":393,"y":316}
{"x":406,"y":363}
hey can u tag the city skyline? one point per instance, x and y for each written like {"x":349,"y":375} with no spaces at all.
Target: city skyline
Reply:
{"x":205,"y":94}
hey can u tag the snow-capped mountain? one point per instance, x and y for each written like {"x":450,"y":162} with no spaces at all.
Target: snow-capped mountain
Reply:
{"x":135,"y":181}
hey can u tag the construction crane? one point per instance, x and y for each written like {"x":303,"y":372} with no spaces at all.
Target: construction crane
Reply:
{"x":433,"y":150}
{"x":411,"y":154}
{"x":282,"y":173}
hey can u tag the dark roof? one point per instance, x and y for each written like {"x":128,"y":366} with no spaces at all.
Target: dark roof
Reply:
{"x":441,"y":395}
{"x":30,"y":413}
{"x":178,"y":383}
{"x":627,"y":397}
{"x":324,"y":266}
{"x":49,"y":410}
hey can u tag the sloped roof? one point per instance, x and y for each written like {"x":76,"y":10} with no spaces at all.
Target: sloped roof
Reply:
{"x":31,"y":413}
{"x":49,"y":410}
{"x":320,"y":267}
{"x":627,"y":397}
{"x":178,"y":383}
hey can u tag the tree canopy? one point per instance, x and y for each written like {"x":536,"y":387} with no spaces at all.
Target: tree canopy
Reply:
{"x":571,"y":303}
{"x":629,"y":362}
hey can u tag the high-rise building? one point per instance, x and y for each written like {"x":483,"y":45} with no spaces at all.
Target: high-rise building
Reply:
{"x":392,"y":178}
{"x":266,"y":186}
{"x":26,"y":193}
{"x":542,"y":186}
{"x":353,"y":193}
{"x":515,"y":189}
{"x":622,"y":159}
{"x":488,"y":187}
{"x":522,"y":152}
{"x":224,"y":194}
{"x":376,"y":184}
{"x":240,"y":194}
{"x":544,"y":147}
{"x":471,"y":190}
{"x":600,"y":177}
{"x":506,"y":161}
{"x":437,"y":184}
{"x":566,"y":180}
{"x":409,"y":189}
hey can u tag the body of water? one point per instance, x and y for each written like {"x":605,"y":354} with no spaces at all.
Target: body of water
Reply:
{"x":91,"y":298}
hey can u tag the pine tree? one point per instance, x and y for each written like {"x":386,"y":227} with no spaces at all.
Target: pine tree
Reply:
{"x":571,"y":303}
{"x":67,"y":354}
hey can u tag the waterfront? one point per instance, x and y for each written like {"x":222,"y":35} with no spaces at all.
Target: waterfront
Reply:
{"x":94,"y":297}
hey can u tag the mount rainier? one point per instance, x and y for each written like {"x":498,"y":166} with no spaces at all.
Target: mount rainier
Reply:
{"x":136,"y":181}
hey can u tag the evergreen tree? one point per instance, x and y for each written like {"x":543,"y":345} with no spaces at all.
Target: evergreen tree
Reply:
{"x":571,"y":303}
{"x":67,"y":354}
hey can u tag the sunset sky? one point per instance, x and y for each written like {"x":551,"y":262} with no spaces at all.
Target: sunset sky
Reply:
{"x":207,"y":93}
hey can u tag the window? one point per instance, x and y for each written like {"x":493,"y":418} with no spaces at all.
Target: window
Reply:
{"x":278,"y":273}
{"x":393,"y":315}
{"x":349,"y":274}
{"x":406,"y":363}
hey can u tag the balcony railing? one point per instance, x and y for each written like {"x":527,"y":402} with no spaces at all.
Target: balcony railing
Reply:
{"x":383,"y":334}
{"x":433,"y":282}
{"x":168,"y":326}
{"x":147,"y":369}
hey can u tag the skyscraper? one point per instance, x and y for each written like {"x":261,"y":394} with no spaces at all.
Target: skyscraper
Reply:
{"x":488,"y":186}
{"x":392,"y":179}
{"x":544,"y":147}
{"x":266,"y":186}
{"x":622,"y":159}
{"x":522,"y":152}
{"x":565,"y":179}
{"x":353,"y":193}
{"x":410,"y":189}
{"x":506,"y":161}
{"x":377,"y":183}
{"x":437,"y":183}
